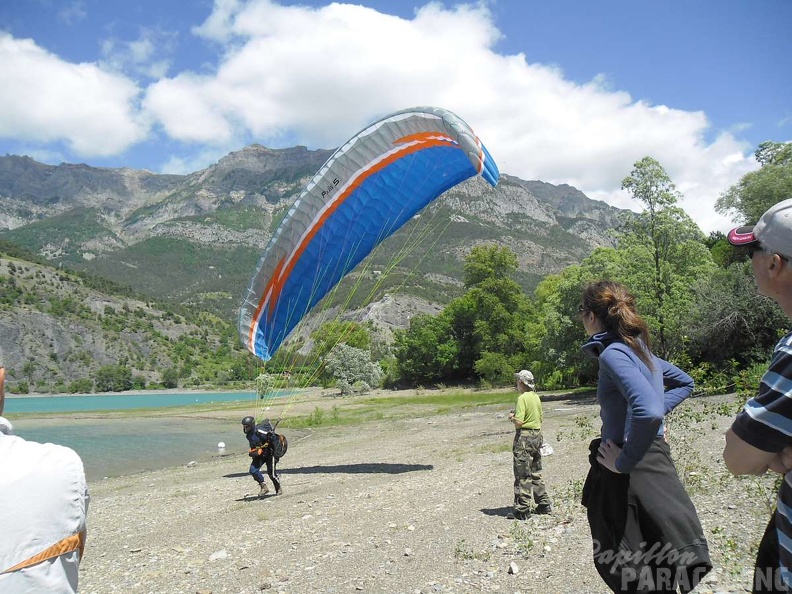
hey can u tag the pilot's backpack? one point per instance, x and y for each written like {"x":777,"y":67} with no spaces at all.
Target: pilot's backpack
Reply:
{"x":279,"y":445}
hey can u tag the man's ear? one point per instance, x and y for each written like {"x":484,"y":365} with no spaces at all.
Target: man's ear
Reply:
{"x":775,"y":262}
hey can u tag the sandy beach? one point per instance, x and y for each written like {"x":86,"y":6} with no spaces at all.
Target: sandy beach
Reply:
{"x":412,"y":505}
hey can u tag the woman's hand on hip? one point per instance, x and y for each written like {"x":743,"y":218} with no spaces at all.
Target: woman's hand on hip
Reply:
{"x":607,"y":454}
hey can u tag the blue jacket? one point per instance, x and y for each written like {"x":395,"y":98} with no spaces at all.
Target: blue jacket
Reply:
{"x":634,"y":399}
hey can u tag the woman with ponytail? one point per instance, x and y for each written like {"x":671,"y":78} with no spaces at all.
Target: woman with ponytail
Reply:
{"x":647,"y":535}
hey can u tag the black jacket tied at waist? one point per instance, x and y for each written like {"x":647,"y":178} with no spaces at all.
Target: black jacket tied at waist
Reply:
{"x":646,"y":534}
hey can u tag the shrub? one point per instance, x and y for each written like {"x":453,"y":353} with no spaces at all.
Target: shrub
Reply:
{"x":361,"y":387}
{"x":80,"y":386}
{"x":22,"y":387}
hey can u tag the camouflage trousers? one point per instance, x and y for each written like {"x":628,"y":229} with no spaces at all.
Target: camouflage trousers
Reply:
{"x":528,"y":470}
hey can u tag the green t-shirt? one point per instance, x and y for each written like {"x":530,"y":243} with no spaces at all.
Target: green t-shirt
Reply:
{"x":529,"y":410}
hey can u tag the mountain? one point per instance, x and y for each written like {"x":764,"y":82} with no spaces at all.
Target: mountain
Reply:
{"x":194,"y":240}
{"x":58,"y":329}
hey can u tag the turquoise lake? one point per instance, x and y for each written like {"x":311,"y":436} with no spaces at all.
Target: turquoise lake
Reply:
{"x":117,"y":447}
{"x":96,"y":402}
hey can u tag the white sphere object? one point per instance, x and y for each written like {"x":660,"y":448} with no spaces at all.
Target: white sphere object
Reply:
{"x":221,"y":444}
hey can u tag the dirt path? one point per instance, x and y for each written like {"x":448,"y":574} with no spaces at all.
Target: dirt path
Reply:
{"x":416,"y":505}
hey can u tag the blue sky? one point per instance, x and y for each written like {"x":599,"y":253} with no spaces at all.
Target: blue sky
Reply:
{"x":566,"y":92}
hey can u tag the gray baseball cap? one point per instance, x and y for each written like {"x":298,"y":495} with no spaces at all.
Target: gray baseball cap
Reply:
{"x":525,"y":377}
{"x":773,"y":231}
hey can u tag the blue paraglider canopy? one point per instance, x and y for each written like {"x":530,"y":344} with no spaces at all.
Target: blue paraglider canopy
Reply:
{"x":371,"y":186}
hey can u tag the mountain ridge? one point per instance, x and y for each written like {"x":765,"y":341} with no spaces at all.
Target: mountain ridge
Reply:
{"x":194,"y":239}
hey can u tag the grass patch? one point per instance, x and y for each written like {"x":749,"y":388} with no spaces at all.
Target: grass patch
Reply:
{"x":464,"y":552}
{"x":495,"y":448}
{"x":522,"y":536}
{"x":354,"y":411}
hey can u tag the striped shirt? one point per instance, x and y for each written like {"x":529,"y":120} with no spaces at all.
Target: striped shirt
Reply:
{"x":766,"y":424}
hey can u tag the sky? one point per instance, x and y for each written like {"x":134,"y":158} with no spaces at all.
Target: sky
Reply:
{"x":566,"y":91}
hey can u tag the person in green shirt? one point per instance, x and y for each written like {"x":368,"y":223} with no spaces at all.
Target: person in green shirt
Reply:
{"x":527,"y":421}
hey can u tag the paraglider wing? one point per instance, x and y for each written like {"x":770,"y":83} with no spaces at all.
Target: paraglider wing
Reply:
{"x":367,"y":190}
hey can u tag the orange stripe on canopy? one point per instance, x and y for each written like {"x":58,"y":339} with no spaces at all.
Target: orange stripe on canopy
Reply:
{"x":263,"y":300}
{"x":422,"y":140}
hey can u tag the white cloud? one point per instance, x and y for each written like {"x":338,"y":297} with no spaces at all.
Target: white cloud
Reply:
{"x":317,"y":75}
{"x":44,"y":99}
{"x":148,"y":55}
{"x":72,"y":13}
{"x":191,"y":108}
{"x":185,"y":165}
{"x":288,"y":75}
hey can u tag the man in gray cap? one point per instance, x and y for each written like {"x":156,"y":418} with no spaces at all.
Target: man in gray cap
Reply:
{"x":759,"y":438}
{"x":527,"y":421}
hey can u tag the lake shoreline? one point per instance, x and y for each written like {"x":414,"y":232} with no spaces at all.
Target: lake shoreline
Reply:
{"x":132,"y":393}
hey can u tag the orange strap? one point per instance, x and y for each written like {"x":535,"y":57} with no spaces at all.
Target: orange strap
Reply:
{"x":67,"y":545}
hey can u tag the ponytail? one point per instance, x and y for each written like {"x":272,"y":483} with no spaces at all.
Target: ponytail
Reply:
{"x":614,"y":306}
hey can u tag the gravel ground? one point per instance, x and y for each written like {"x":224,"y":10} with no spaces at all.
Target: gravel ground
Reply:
{"x":407,"y":506}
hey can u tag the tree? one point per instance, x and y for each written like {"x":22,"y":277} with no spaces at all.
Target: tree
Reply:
{"x":29,"y":369}
{"x":730,"y":321}
{"x":488,"y":262}
{"x":757,"y":191}
{"x":336,"y":332}
{"x":80,"y":386}
{"x":352,"y":366}
{"x":488,"y":319}
{"x":113,"y":378}
{"x":666,"y":251}
{"x":774,"y":153}
{"x":170,"y":378}
{"x":555,"y":332}
{"x":265,"y":382}
{"x":723,"y":253}
{"x":495,"y":368}
{"x":426,"y":352}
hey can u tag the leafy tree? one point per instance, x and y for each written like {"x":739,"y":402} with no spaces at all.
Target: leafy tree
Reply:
{"x":666,"y":249}
{"x":138,"y":382}
{"x":757,"y":191}
{"x":465,"y":334}
{"x":555,"y":332}
{"x":29,"y":369}
{"x":336,"y":332}
{"x":344,"y":388}
{"x":80,"y":386}
{"x":730,"y":321}
{"x":426,"y":352}
{"x":723,"y":253}
{"x":490,"y":318}
{"x":774,"y":153}
{"x":170,"y":378}
{"x":265,"y":382}
{"x":486,"y":262}
{"x":361,"y":387}
{"x":494,"y":368}
{"x":352,"y":365}
{"x":113,"y":378}
{"x":241,"y":368}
